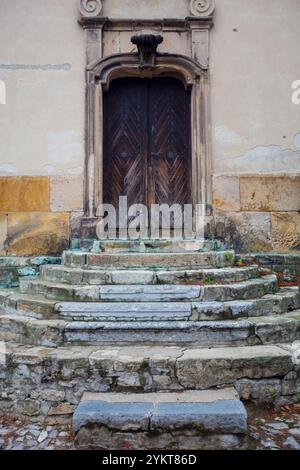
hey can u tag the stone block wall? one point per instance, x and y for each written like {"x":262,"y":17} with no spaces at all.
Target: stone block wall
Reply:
{"x":254,"y":213}
{"x":258,"y":212}
{"x":36,"y":213}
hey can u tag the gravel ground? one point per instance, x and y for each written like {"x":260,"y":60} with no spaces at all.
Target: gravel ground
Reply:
{"x":268,"y":430}
{"x":21,"y":435}
{"x":274,"y":430}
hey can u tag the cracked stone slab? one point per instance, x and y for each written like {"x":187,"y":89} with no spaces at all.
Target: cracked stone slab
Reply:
{"x":148,"y":293}
{"x":100,"y":276}
{"x":213,"y":411}
{"x":38,"y":306}
{"x":126,"y":311}
{"x":248,"y":289}
{"x":204,"y":368}
{"x":127,"y":354}
{"x":155,"y":260}
{"x":204,"y":333}
{"x":143,"y":245}
{"x":278,"y":328}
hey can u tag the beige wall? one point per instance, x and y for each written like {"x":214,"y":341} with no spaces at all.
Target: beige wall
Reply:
{"x":254,"y":122}
{"x":42,"y":123}
{"x":254,"y":58}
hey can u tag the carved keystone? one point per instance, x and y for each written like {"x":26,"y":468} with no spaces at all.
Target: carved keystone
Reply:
{"x":147,"y":45}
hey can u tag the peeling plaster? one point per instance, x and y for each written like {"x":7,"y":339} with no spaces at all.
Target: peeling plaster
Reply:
{"x":8,"y":168}
{"x":262,"y":159}
{"x":223,"y":135}
{"x":296,"y":140}
{"x":49,"y":169}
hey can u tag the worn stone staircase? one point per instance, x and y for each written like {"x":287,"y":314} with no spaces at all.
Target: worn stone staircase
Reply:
{"x":151,"y":343}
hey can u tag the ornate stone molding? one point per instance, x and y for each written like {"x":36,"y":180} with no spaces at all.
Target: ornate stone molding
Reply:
{"x":202,"y":8}
{"x":147,"y":47}
{"x":90,"y":8}
{"x":99,"y":76}
{"x":123,"y":65}
{"x":192,"y":70}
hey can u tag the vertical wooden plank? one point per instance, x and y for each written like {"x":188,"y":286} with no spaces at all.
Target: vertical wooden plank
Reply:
{"x":147,"y":142}
{"x":170,"y":142}
{"x":124,"y":142}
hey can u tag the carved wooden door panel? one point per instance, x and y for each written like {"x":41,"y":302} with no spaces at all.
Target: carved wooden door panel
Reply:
{"x":124,"y":151}
{"x":169,"y":167}
{"x":147,"y":142}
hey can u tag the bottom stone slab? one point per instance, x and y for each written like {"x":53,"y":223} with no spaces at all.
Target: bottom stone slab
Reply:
{"x":213,"y":419}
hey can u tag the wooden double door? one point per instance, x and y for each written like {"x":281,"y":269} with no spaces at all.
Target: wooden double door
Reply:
{"x":147,"y":142}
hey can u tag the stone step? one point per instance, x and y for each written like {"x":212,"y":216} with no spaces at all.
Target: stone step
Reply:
{"x":254,"y":330}
{"x":184,"y":260}
{"x":253,"y":288}
{"x":215,"y":419}
{"x":64,"y":275}
{"x":69,"y":371}
{"x":287,"y":299}
{"x":146,"y":245}
{"x":176,"y":311}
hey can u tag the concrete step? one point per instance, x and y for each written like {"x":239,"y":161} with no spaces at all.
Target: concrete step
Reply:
{"x":214,"y":419}
{"x":64,"y":275}
{"x":250,"y":289}
{"x":254,"y":330}
{"x":146,"y":245}
{"x":72,"y":369}
{"x":286,"y":300}
{"x":184,"y":260}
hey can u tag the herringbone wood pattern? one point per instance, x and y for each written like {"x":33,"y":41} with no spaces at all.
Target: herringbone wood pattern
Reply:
{"x":147,"y":142}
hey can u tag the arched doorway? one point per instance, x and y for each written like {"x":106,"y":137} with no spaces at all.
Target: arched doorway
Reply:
{"x":173,"y":91}
{"x":147,"y":141}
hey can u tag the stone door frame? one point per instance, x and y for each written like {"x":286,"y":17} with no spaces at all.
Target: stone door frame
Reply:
{"x":192,"y":71}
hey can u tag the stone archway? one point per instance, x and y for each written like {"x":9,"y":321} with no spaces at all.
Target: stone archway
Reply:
{"x":194,"y":78}
{"x":192,"y":36}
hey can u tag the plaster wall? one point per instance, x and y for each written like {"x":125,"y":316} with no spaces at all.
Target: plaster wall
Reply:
{"x":255,"y":127}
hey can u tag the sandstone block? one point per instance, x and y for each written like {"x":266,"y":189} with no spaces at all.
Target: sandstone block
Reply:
{"x":285,"y":231}
{"x":37,"y":233}
{"x":226,"y":193}
{"x":24,"y":193}
{"x":268,"y":193}
{"x":249,"y":231}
